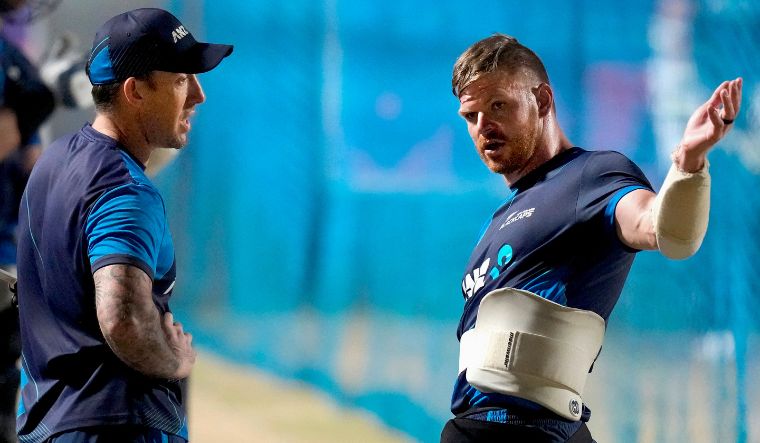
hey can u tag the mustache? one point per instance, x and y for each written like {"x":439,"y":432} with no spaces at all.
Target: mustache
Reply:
{"x":491,"y":139}
{"x":492,"y":135}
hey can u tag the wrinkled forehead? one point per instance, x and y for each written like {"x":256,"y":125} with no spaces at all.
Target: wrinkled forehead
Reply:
{"x":492,"y":83}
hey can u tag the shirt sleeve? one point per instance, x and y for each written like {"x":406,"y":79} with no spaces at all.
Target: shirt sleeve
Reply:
{"x":126,"y":226}
{"x":607,"y":177}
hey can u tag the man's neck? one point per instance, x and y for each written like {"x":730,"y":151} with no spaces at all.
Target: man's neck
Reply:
{"x":129,"y":139}
{"x":555,"y":144}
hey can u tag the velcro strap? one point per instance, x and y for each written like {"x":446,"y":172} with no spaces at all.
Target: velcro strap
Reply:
{"x":534,"y":355}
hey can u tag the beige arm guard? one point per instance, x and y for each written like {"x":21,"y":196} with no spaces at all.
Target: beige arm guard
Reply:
{"x":681,"y":212}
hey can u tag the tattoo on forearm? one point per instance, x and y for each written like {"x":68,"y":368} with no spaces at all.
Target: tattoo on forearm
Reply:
{"x":130,"y":321}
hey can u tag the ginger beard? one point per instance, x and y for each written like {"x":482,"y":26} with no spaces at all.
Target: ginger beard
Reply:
{"x":506,"y":155}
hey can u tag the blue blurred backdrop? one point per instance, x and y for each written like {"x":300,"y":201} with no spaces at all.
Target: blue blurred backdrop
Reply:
{"x":326,"y":206}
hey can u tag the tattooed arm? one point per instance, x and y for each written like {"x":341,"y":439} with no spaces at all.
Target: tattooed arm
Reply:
{"x":133,"y":327}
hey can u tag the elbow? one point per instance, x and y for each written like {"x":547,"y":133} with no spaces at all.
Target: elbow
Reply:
{"x":116,"y":332}
{"x":677,"y":249}
{"x":119,"y":327}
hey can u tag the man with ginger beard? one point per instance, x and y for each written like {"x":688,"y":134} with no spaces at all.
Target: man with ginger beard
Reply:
{"x":103,"y":359}
{"x":551,"y":262}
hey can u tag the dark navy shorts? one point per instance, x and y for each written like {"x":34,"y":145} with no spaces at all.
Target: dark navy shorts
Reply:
{"x":496,"y":425}
{"x":116,"y":434}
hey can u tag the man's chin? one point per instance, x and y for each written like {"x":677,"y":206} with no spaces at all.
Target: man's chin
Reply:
{"x":499,"y":168}
{"x":496,"y":161}
{"x":179,"y":142}
{"x":512,"y":164}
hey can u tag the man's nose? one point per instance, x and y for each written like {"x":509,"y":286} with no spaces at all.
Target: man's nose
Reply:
{"x":484,"y":123}
{"x":195,"y":94}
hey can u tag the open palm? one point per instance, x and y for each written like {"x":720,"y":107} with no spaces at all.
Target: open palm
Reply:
{"x":712,"y":121}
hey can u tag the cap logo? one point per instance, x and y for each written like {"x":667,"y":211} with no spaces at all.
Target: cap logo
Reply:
{"x":179,"y":33}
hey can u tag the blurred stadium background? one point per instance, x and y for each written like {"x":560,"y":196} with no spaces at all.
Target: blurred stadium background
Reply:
{"x":330,"y":196}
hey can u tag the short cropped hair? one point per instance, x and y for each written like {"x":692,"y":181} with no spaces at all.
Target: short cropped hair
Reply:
{"x":498,"y":52}
{"x":105,"y":96}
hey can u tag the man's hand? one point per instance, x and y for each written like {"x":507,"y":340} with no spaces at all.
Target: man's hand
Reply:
{"x":709,"y":123}
{"x":181,"y":344}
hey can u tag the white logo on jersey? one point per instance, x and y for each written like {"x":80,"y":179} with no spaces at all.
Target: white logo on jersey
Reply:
{"x":171,"y":286}
{"x":513,"y":217}
{"x":179,"y":33}
{"x":472,"y":283}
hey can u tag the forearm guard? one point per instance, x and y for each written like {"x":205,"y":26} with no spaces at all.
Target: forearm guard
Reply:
{"x":681,"y":212}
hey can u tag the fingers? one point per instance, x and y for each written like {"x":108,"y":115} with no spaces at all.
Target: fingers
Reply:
{"x":730,"y":98}
{"x":170,"y":324}
{"x":729,"y":112}
{"x":736,"y":95}
{"x":716,"y":98}
{"x":168,"y":321}
{"x":714,"y":115}
{"x":174,"y":328}
{"x":181,"y":343}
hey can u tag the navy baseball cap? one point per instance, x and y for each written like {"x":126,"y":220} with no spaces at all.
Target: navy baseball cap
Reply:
{"x":137,"y":42}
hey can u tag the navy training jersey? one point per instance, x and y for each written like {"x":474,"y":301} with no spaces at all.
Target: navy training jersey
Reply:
{"x":87,"y":204}
{"x":554,"y":236}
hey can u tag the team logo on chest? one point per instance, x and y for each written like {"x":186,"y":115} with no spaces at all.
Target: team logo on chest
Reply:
{"x":474,"y":281}
{"x":517,"y":215}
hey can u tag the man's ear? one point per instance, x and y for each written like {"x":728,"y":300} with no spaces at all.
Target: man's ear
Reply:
{"x":544,"y":99}
{"x":132,"y":90}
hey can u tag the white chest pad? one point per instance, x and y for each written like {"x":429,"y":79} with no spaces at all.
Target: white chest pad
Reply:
{"x":532,"y":348}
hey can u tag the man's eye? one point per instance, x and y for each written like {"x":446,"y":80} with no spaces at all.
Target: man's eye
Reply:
{"x":497,"y":106}
{"x":470,"y":116}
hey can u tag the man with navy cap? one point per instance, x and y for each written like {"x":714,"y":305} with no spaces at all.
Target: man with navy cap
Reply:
{"x":103,"y":359}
